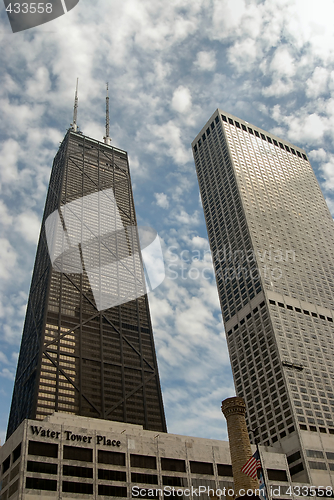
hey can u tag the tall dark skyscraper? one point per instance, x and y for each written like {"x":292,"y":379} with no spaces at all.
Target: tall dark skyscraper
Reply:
{"x":87,"y":346}
{"x":272,"y":239}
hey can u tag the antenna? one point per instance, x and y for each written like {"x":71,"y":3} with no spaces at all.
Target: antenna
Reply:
{"x":75,"y":111}
{"x":107,"y":139}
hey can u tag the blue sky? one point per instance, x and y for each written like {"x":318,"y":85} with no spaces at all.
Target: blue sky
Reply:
{"x":169,"y":66}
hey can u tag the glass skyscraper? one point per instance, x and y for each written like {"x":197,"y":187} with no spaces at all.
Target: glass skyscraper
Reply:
{"x":272,"y":241}
{"x":79,"y":354}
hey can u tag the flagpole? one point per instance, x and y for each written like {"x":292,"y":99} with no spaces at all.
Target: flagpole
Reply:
{"x":254,"y":432}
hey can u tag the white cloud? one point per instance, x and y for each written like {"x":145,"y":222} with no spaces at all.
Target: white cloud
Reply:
{"x":318,"y":154}
{"x":3,"y":358}
{"x":8,"y":258}
{"x":283,"y":63}
{"x":39,"y":85}
{"x":328,"y":173}
{"x":6,"y":373}
{"x":185,"y":219}
{"x":5,"y":216}
{"x":317,"y":84}
{"x":206,"y":60}
{"x":181,"y":100}
{"x":9,"y":156}
{"x":308,"y":128}
{"x":161,"y":200}
{"x":169,"y":136}
{"x":278,"y":88}
{"x":28,"y":224}
{"x":243,"y":54}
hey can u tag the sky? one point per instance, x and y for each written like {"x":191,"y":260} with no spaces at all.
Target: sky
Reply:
{"x":169,"y":65}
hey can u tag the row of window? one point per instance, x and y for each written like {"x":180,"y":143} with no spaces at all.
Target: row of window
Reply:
{"x":264,"y":138}
{"x":285,"y":147}
{"x":313,"y":428}
{"x":299,"y":310}
{"x":73,"y":487}
{"x":38,"y":448}
{"x":320,"y":454}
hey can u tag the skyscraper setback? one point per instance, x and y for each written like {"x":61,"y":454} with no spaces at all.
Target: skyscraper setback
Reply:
{"x":78,"y":356}
{"x":272,"y":239}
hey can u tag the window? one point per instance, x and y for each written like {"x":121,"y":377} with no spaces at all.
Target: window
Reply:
{"x":136,"y":477}
{"x":112,"y":475}
{"x":277,"y":475}
{"x":35,"y":483}
{"x":201,"y":468}
{"x":71,"y":470}
{"x":16,"y":453}
{"x":43,"y":449}
{"x":112,"y":491}
{"x":143,"y":461}
{"x":224,"y":470}
{"x":318,"y":465}
{"x":314,"y":453}
{"x":173,"y":464}
{"x":78,"y":453}
{"x":42,"y":467}
{"x":174,"y":481}
{"x":111,"y":457}
{"x":293,"y":457}
{"x":83,"y":488}
{"x":6,"y":464}
{"x":296,"y":468}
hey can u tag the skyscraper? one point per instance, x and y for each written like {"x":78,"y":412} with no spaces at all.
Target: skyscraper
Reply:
{"x":272,"y":239}
{"x":79,"y":354}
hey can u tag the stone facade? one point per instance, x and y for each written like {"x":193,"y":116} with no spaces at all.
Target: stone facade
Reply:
{"x":66,"y":457}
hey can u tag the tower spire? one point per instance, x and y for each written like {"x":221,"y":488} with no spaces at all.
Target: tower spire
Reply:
{"x":107,"y":139}
{"x":75,"y":111}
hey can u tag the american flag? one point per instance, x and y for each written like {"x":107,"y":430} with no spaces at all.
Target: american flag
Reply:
{"x":252,"y":465}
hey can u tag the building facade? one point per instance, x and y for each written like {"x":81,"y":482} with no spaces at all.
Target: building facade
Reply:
{"x":87,"y":346}
{"x":272,"y":239}
{"x":66,"y":457}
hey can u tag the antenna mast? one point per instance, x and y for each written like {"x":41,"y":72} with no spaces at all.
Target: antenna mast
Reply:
{"x":107,"y":139}
{"x":75,"y":111}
